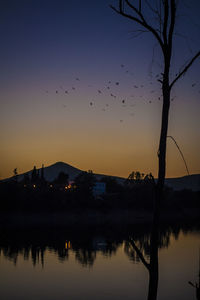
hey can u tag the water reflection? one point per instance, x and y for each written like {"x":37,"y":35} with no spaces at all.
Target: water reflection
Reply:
{"x":139,"y":244}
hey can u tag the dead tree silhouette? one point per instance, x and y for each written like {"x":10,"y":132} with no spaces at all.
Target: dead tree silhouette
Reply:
{"x":165,"y":12}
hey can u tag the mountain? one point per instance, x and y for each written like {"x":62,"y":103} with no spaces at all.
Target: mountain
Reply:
{"x":191,"y":182}
{"x":51,"y":172}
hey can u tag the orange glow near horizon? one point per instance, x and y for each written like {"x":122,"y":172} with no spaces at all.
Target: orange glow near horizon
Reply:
{"x":94,"y":105}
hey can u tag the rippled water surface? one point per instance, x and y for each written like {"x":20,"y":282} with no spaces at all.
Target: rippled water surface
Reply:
{"x":92,"y":264}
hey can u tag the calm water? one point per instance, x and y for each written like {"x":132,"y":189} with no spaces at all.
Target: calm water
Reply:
{"x":92,"y":264}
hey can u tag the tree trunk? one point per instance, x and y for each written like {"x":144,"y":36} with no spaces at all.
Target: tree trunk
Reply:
{"x":162,"y":145}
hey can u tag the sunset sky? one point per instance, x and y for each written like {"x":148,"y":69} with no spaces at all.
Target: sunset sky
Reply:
{"x":77,"y":86}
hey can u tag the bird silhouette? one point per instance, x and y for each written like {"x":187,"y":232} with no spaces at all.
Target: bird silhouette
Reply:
{"x":99,"y":91}
{"x":117,"y":83}
{"x":123,"y":101}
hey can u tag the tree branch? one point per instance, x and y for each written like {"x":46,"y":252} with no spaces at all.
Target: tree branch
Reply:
{"x":185,"y":69}
{"x":138,"y":12}
{"x":139,"y":253}
{"x":141,"y":20}
{"x":173,"y":139}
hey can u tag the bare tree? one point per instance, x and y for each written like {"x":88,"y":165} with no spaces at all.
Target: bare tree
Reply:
{"x":165,"y":12}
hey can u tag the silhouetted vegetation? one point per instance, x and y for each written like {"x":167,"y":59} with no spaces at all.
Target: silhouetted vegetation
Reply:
{"x":35,"y":194}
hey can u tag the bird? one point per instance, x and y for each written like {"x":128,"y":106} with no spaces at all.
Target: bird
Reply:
{"x":121,"y":121}
{"x":99,"y":92}
{"x":73,"y":88}
{"x":91,"y":103}
{"x":135,"y":86}
{"x":117,"y":83}
{"x":66,"y":92}
{"x":123,"y":101}
{"x":193,"y":84}
{"x":56,"y":92}
{"x":77,"y":79}
{"x":122,"y":66}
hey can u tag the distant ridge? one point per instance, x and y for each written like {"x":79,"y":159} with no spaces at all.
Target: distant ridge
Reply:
{"x":190,"y":182}
{"x":51,"y":172}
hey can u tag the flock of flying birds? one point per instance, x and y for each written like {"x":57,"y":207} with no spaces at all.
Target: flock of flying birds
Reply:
{"x":108,"y":91}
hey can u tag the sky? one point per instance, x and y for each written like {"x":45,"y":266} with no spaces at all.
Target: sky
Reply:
{"x":77,"y":85}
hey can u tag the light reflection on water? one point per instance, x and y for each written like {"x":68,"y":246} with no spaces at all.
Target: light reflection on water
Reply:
{"x":89,"y":264}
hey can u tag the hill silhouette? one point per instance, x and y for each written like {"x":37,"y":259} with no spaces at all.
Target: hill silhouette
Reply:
{"x":51,"y":172}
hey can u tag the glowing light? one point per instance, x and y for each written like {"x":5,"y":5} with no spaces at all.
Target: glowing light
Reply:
{"x":34,"y":186}
{"x":67,"y":245}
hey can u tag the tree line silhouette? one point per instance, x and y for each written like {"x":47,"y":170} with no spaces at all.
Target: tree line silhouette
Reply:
{"x":34,"y":194}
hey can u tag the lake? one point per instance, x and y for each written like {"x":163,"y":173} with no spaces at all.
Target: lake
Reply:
{"x":98,"y":263}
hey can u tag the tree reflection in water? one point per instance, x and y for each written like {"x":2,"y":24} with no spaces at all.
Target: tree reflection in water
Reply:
{"x":139,"y":244}
{"x":150,"y":247}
